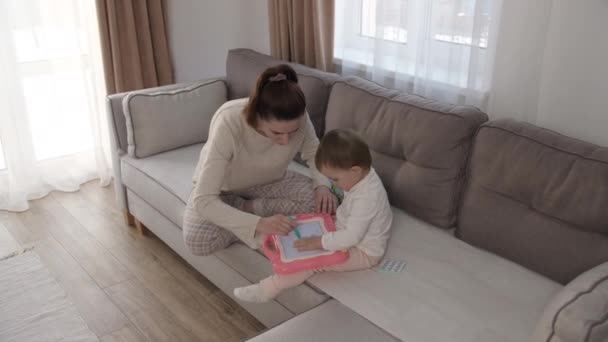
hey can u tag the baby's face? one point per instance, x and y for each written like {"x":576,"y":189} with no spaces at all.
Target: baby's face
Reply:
{"x":345,"y":179}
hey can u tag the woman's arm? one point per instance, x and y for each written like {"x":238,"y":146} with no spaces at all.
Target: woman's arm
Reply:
{"x":308,"y":150}
{"x":205,"y":195}
{"x":325,"y":201}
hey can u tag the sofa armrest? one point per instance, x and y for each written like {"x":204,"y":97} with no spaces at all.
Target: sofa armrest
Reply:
{"x":117,"y":124}
{"x":579,"y":312}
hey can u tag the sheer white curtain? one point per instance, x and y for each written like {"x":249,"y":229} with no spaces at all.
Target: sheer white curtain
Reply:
{"x":52,"y":121}
{"x":440,"y":49}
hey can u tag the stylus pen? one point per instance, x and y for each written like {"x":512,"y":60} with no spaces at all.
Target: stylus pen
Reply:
{"x":295,"y":230}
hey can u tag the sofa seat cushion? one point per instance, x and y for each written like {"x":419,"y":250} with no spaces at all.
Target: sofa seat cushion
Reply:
{"x":449,"y":290}
{"x":164,"y":181}
{"x":330,"y":321}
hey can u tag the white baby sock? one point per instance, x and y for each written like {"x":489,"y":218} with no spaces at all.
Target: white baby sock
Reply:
{"x":252,"y":293}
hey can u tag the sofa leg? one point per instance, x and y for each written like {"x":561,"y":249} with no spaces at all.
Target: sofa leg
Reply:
{"x":129,"y":219}
{"x":140,"y":227}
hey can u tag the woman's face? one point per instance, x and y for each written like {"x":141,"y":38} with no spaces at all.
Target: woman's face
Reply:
{"x":279,"y":131}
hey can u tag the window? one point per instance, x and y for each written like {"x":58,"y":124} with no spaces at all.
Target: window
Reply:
{"x":453,"y":21}
{"x":55,"y":75}
{"x":456,"y":21}
{"x":394,"y":27}
{"x":427,"y":47}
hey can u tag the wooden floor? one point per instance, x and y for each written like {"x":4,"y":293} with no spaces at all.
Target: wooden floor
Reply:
{"x":127,"y":287}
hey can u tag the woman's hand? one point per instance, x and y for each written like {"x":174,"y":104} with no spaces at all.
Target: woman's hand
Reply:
{"x":277,"y":224}
{"x":308,"y":243}
{"x":325,"y":201}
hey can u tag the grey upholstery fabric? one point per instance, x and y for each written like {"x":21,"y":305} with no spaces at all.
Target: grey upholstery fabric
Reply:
{"x":244,"y":65}
{"x":419,"y":147}
{"x":331,"y":321}
{"x":579,"y":312}
{"x":117,"y":120}
{"x":449,"y":290}
{"x":163,"y":180}
{"x":537,"y":198}
{"x":163,"y":120}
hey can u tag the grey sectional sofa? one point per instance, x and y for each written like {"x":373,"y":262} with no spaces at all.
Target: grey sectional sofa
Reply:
{"x":492,"y":218}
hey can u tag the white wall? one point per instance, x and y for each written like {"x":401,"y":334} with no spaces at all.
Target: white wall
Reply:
{"x":573,"y":96}
{"x":519,"y":58}
{"x":202,"y":31}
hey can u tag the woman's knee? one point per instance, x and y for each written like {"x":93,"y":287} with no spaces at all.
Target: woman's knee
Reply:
{"x":206,"y":238}
{"x":195,"y":242}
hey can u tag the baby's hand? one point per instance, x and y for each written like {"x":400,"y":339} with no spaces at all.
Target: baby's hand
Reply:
{"x":308,"y":243}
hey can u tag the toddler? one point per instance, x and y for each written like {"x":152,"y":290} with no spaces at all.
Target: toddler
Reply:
{"x":363,"y":220}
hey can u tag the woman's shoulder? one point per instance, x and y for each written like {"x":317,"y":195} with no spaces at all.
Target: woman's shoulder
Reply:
{"x":232,"y":109}
{"x":234,"y":105}
{"x":229,"y":115}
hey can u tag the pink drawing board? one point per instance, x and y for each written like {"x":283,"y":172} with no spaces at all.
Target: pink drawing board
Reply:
{"x":286,"y":259}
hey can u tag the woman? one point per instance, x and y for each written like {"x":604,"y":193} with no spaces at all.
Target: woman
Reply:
{"x":242,"y":186}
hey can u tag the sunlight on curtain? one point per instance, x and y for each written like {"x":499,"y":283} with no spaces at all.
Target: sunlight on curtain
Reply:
{"x":52,"y":122}
{"x":2,"y":162}
{"x":441,"y":49}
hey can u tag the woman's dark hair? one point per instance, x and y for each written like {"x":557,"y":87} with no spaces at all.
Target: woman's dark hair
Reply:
{"x":276,"y":95}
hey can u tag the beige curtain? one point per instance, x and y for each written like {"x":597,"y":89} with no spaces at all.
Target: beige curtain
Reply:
{"x":134,"y":44}
{"x":302,"y":31}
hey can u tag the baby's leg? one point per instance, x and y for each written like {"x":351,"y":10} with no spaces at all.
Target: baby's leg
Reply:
{"x":270,"y":287}
{"x":357,"y":260}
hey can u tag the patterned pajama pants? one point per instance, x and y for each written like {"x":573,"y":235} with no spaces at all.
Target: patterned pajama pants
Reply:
{"x":291,"y":195}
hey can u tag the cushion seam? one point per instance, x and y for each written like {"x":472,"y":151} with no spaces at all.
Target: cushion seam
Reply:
{"x":544,"y":144}
{"x":576,"y":297}
{"x":529,"y":207}
{"x":174,"y":91}
{"x":492,"y":124}
{"x":116,"y":135}
{"x":278,"y":61}
{"x":466,"y":181}
{"x":152,"y":206}
{"x":595,"y":324}
{"x":391,"y":100}
{"x":130,"y":96}
{"x":154,"y":180}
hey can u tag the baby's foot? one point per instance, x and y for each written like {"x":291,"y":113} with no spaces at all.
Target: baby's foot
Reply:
{"x":252,"y":293}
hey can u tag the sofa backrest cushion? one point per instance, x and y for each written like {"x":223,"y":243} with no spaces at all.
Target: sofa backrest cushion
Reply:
{"x":162,"y":120}
{"x":419,"y":146}
{"x":537,"y":198}
{"x":243,"y":67}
